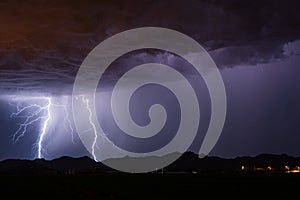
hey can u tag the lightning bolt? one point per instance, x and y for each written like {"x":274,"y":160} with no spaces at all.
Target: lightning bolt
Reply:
{"x":44,"y":128}
{"x":34,"y":113}
{"x":93,"y":126}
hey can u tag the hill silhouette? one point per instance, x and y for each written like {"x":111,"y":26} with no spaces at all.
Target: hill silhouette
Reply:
{"x":188,"y":162}
{"x":65,"y":165}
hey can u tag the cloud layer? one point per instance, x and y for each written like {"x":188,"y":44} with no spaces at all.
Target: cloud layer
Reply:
{"x":42,"y":43}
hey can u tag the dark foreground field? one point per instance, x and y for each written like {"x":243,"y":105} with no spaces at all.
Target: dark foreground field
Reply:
{"x":151,"y":186}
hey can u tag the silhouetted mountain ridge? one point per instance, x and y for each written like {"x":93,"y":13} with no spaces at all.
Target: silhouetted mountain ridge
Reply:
{"x":187,"y":162}
{"x":190,"y":161}
{"x":63,"y":164}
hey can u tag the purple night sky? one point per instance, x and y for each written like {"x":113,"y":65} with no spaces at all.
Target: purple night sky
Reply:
{"x":255,"y":44}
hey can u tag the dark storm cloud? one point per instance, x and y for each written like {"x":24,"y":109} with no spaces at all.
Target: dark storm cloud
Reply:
{"x":253,"y":53}
{"x":42,"y":43}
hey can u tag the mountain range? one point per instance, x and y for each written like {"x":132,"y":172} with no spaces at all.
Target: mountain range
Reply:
{"x":188,"y":162}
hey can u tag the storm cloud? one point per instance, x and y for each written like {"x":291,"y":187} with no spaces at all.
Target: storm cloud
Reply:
{"x":43,"y":43}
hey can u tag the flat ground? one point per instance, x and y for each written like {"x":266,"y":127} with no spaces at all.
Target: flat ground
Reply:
{"x":151,"y":186}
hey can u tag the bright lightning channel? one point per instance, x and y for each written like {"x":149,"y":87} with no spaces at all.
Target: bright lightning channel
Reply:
{"x":41,"y":113}
{"x":44,"y":128}
{"x":88,"y":107}
{"x":92,"y":128}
